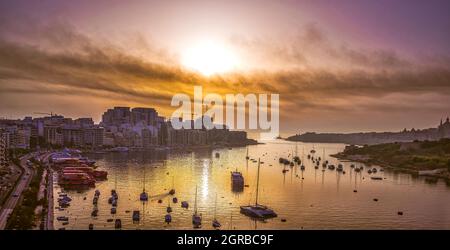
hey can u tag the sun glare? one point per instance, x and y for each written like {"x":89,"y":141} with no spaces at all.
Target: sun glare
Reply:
{"x":209,"y":58}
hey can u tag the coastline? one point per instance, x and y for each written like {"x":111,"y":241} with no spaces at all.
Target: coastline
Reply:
{"x":177,"y":147}
{"x":386,"y":165}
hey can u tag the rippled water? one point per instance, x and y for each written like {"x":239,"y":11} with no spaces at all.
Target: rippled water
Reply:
{"x":321,"y":200}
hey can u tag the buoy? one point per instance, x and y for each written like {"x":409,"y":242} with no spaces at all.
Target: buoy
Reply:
{"x":283,"y":220}
{"x":354,"y":191}
{"x":400,"y":213}
{"x":375,"y":199}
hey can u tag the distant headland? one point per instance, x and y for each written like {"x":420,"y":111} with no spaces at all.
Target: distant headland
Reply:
{"x":430,"y":134}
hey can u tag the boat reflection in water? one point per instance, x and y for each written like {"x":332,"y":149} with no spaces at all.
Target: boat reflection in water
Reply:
{"x":307,"y":199}
{"x":258,"y":211}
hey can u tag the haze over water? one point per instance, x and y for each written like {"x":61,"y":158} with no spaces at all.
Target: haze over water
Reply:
{"x":322,"y":200}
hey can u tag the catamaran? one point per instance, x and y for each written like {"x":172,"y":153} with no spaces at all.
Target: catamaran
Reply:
{"x":258,"y":211}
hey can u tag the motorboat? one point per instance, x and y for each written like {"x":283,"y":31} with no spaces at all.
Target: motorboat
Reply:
{"x":143,"y":196}
{"x":237,"y":179}
{"x":62,"y":218}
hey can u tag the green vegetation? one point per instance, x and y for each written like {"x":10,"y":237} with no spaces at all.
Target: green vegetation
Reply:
{"x":417,"y":155}
{"x":23,"y":216}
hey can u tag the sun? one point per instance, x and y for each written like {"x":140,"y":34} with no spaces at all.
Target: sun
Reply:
{"x":209,"y":58}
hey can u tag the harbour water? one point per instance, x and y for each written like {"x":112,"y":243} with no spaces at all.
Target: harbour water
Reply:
{"x":309,"y":199}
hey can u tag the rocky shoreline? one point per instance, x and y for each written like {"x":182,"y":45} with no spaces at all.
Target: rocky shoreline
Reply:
{"x":416,"y":158}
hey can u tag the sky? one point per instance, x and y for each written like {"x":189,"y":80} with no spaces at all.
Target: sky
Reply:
{"x":339,"y":66}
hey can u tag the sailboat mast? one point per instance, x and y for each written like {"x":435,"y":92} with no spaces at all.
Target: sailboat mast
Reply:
{"x":195,"y":204}
{"x":257,"y":183}
{"x":215,"y":207}
{"x":143,"y":184}
{"x":115,"y":182}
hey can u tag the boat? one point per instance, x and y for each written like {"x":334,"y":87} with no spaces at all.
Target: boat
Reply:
{"x":94,"y":212}
{"x":331,"y":167}
{"x":237,"y":180}
{"x":114,"y":203}
{"x":374,"y":170}
{"x":110,"y":200}
{"x":302,"y":167}
{"x":113,"y":210}
{"x":340,"y":168}
{"x":91,"y":226}
{"x":169,"y":208}
{"x":196,"y":218}
{"x":258,"y":211}
{"x":62,"y":218}
{"x":175,"y":200}
{"x":136,"y":215}
{"x":168,"y":218}
{"x":185,"y":204}
{"x":217,"y":155}
{"x":369,"y":171}
{"x":118,"y":224}
{"x":352,"y":166}
{"x":215,"y":223}
{"x":97,"y":192}
{"x":376,"y":178}
{"x":357,"y":170}
{"x":143,"y":196}
{"x":172,"y":191}
{"x":95,"y":200}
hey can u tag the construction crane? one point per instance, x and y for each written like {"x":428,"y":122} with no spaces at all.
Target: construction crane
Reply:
{"x":44,"y":113}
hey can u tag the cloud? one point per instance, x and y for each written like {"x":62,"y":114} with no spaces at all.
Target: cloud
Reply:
{"x":60,"y":61}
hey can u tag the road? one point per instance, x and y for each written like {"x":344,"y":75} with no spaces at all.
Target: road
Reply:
{"x":15,"y":196}
{"x":48,"y":224}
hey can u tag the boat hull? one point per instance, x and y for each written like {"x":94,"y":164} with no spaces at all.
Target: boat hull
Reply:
{"x":259,"y":212}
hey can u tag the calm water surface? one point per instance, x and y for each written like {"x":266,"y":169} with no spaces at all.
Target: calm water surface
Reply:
{"x":319,"y":200}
